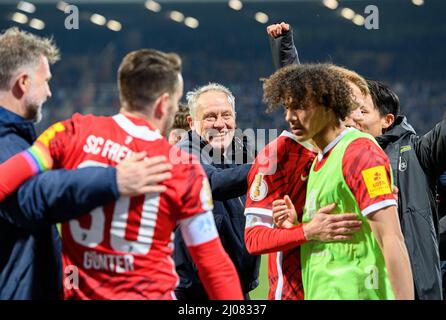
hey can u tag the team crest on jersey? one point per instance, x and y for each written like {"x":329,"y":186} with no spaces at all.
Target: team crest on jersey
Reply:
{"x":376,"y":181}
{"x":206,"y":196}
{"x":259,"y":188}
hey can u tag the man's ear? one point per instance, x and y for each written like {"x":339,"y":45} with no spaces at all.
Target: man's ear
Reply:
{"x":388,"y":120}
{"x":160,"y":107}
{"x":20,"y":86}
{"x":190,"y":122}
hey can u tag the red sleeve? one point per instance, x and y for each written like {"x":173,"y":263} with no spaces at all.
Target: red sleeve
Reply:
{"x":59,"y":138}
{"x":266,"y":181}
{"x":216,"y":271}
{"x":193,"y":190}
{"x":264,"y":186}
{"x":261,"y":240}
{"x":40,"y":157}
{"x":367,"y":171}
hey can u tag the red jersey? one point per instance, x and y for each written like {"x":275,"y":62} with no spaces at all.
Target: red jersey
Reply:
{"x":123,"y":250}
{"x":281,"y":169}
{"x":360,"y":156}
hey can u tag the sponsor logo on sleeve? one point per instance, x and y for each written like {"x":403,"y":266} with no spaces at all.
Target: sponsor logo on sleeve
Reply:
{"x":206,"y":225}
{"x":259,"y":189}
{"x":376,"y":181}
{"x":252,"y":220}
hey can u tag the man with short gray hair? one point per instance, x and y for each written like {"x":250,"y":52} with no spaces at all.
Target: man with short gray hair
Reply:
{"x":21,"y":53}
{"x":213,"y":140}
{"x":212,"y":114}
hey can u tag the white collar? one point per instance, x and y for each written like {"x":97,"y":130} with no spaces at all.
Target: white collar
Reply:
{"x":140,"y":132}
{"x":305,"y":144}
{"x":333,"y":143}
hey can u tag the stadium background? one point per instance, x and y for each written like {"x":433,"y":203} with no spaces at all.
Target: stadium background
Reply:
{"x":231,"y":47}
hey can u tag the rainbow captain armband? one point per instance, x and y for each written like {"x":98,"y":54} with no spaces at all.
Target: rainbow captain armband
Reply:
{"x":34,"y":160}
{"x":38,"y":158}
{"x":19,"y":168}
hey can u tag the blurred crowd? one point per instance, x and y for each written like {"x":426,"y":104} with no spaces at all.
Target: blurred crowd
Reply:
{"x":84,"y":84}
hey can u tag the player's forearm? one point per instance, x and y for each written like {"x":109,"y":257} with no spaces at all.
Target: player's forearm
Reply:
{"x":283,"y":50}
{"x":261,"y":240}
{"x":59,"y":195}
{"x":21,"y":167}
{"x":398,"y":266}
{"x":386,"y":228}
{"x":215,"y":268}
{"x":227,"y":183}
{"x":216,"y":271}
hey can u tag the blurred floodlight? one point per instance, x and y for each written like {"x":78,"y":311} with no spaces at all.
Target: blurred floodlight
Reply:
{"x":331,"y":4}
{"x":37,"y":24}
{"x":418,"y":2}
{"x":114,"y":25}
{"x":153,"y":6}
{"x":235,"y":4}
{"x":98,"y":19}
{"x":19,"y":18}
{"x":348,"y":13}
{"x":176,"y":16}
{"x":358,"y":20}
{"x":26,"y":7}
{"x":261,"y":17}
{"x":191,"y":22}
{"x":61,"y":5}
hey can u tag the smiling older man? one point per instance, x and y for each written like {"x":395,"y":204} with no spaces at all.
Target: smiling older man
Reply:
{"x":213,"y":140}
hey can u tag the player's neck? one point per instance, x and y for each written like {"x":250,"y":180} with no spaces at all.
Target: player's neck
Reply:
{"x":327,"y":135}
{"x":142,"y":115}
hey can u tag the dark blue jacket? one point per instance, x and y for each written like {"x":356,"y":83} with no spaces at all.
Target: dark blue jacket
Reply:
{"x":30,"y":248}
{"x":229,"y":187}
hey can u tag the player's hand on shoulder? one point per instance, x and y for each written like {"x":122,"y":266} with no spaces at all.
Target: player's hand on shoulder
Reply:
{"x":139,"y":175}
{"x":277,"y":29}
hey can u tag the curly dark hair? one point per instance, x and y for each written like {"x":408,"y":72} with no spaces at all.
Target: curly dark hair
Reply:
{"x":180,"y":121}
{"x":321,"y":83}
